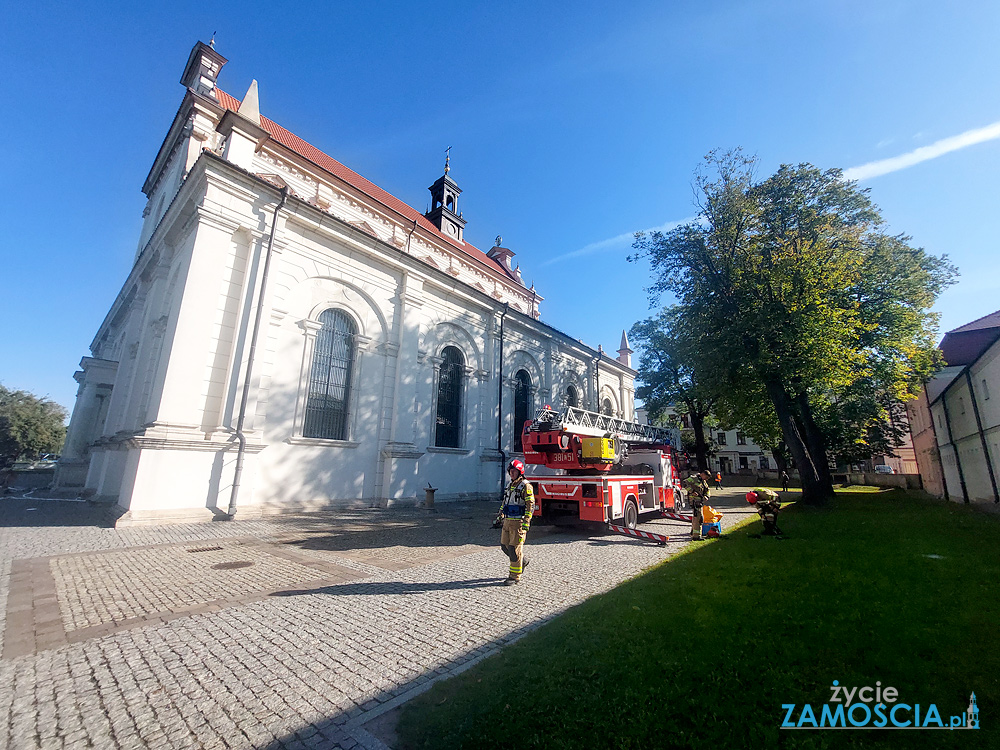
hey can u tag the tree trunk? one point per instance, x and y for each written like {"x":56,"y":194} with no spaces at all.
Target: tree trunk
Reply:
{"x":700,"y":444}
{"x":816,"y":443}
{"x":814,"y":490}
{"x":780,"y":458}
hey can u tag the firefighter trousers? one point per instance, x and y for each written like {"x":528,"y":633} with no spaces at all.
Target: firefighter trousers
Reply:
{"x":512,"y":543}
{"x":696,"y":521}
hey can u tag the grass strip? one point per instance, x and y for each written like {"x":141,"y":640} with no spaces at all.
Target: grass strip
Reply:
{"x":703,"y":650}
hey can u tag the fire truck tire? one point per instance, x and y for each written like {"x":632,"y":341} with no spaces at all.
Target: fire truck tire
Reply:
{"x":630,"y":518}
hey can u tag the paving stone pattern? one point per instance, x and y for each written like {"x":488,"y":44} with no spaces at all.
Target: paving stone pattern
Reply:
{"x":124,"y":639}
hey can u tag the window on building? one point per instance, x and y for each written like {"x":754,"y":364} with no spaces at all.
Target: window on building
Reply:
{"x":607,"y":409}
{"x":572,"y":396}
{"x":522,"y":406}
{"x":986,"y":390}
{"x":685,"y":421}
{"x":449,"y":407}
{"x":763,"y":463}
{"x":721,"y":438}
{"x":741,"y":439}
{"x":329,"y":392}
{"x":940,"y":422}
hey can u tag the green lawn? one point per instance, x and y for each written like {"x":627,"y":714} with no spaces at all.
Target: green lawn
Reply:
{"x":703,"y":650}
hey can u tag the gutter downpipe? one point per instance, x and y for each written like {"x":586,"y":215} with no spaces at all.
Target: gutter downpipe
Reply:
{"x":503,"y":454}
{"x":982,"y":435}
{"x":240,"y":436}
{"x":954,"y":447}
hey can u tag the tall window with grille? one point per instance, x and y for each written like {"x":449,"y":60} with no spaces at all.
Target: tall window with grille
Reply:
{"x":447,"y":430}
{"x":522,"y":408}
{"x":607,"y":408}
{"x":329,"y":394}
{"x":572,"y":396}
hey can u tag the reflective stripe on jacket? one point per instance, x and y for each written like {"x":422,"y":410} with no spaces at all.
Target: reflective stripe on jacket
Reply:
{"x":519,"y":500}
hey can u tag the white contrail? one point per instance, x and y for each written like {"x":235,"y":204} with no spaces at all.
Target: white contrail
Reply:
{"x":934,"y":150}
{"x":863,"y":172}
{"x":619,"y":241}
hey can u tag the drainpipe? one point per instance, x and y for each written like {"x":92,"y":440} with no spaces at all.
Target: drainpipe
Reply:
{"x":951,"y":442}
{"x":240,"y":436}
{"x":503,"y":454}
{"x":982,"y":435}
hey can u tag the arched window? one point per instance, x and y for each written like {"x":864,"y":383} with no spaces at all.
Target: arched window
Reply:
{"x":607,"y":409}
{"x":522,"y":384}
{"x":449,"y":407}
{"x":572,"y":396}
{"x":330,"y":378}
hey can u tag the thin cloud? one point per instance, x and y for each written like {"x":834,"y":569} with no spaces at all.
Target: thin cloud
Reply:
{"x":620,"y":241}
{"x":924,"y":153}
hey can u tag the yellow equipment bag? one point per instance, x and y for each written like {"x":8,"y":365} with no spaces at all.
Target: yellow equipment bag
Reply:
{"x":710,"y":514}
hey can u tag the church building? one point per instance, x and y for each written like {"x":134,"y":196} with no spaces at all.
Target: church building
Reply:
{"x":292,"y":337}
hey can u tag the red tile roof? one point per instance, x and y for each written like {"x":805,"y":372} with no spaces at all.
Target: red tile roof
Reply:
{"x":306,"y":150}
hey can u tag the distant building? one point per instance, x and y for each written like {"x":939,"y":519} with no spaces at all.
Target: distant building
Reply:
{"x":386,"y":353}
{"x":960,"y":411}
{"x":735,"y":451}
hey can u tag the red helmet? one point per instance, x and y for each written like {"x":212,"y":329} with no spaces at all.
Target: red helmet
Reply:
{"x":751,"y":497}
{"x":516,"y":464}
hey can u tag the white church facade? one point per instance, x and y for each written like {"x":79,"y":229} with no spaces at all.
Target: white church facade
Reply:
{"x":385,"y":353}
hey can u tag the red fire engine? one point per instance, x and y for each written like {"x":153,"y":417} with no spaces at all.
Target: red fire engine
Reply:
{"x":600,"y":468}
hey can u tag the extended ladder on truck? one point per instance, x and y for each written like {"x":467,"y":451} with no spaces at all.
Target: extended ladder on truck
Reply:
{"x":595,"y":424}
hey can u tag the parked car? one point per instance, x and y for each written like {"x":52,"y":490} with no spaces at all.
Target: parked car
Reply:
{"x":884,"y":469}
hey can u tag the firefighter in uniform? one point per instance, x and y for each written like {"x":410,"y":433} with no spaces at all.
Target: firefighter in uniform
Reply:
{"x":767,"y":504}
{"x":518,"y":506}
{"x":697,"y":495}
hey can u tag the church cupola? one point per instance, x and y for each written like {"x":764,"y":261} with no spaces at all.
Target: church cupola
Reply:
{"x":203,"y":67}
{"x":444,"y":213}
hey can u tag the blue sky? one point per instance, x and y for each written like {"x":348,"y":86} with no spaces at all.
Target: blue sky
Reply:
{"x":571,"y":126}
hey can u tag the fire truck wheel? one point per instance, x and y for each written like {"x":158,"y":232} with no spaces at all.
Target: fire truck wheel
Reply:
{"x":630,"y":519}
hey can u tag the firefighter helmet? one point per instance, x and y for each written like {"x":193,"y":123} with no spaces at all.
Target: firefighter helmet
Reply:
{"x":751,"y":497}
{"x":516,"y":464}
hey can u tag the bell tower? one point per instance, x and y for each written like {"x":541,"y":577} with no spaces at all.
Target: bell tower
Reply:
{"x":444,"y":213}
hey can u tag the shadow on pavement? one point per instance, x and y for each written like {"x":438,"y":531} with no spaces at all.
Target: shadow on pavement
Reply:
{"x":27,"y":512}
{"x":393,"y":587}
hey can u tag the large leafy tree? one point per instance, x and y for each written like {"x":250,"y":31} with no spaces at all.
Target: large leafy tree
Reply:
{"x":29,"y":426}
{"x":801,"y":304}
{"x":668,"y":375}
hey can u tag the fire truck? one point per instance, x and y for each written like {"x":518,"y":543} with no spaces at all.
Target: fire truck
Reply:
{"x":601,"y":469}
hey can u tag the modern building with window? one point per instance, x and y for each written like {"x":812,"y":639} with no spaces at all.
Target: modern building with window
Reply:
{"x":293,"y":337}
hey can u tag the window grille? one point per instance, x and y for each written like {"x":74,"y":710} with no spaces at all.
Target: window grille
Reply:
{"x":522,"y":382}
{"x":607,"y":409}
{"x":572,"y":396}
{"x":449,"y":407}
{"x":741,"y":439}
{"x":721,"y":438}
{"x":330,"y":379}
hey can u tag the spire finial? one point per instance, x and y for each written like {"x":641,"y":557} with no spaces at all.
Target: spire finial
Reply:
{"x":497,"y":241}
{"x":212,"y":41}
{"x":447,"y":159}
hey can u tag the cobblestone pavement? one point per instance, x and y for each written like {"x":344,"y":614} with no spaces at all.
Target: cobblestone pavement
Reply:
{"x":285,"y":633}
